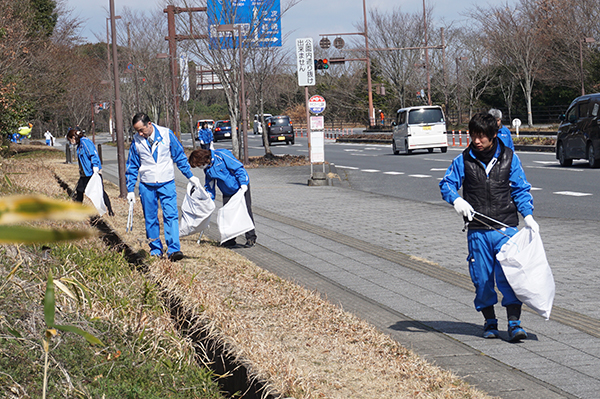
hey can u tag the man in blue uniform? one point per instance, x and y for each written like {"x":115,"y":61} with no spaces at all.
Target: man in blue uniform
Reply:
{"x":151,"y":157}
{"x":222,"y":168}
{"x":503,"y":132}
{"x":494,"y":185}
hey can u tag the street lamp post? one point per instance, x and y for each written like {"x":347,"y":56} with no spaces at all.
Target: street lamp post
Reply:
{"x":231,"y":28}
{"x":581,"y":41}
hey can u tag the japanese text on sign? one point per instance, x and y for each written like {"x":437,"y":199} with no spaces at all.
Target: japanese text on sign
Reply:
{"x":305,"y":62}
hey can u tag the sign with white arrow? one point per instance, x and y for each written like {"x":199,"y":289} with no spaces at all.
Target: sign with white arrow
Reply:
{"x":259,"y":21}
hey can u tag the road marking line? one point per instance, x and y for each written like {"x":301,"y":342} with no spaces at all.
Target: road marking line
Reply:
{"x":546,"y":168}
{"x":536,"y":188}
{"x":437,"y":170}
{"x":393,"y":173}
{"x":436,"y":159}
{"x":370,"y":170}
{"x":546,"y":162}
{"x":346,"y":167}
{"x":420,"y":176}
{"x":572,"y":193}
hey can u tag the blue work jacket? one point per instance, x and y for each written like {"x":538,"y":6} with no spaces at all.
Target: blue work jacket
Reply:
{"x":205,"y":136}
{"x":88,"y":157}
{"x":226,"y":171}
{"x":504,"y":135}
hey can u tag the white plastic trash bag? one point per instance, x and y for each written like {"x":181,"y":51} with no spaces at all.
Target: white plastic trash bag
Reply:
{"x":95,"y":192}
{"x":196,"y":209}
{"x":233,"y":218}
{"x":524,"y":263}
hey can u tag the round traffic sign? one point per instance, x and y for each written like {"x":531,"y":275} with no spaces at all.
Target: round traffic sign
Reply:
{"x":316,"y":104}
{"x":516,"y":122}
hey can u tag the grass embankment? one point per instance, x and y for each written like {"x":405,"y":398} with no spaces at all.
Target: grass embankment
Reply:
{"x":143,"y":356}
{"x":289,"y":337}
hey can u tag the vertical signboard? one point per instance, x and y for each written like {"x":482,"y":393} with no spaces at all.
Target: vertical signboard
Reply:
{"x":259,"y":20}
{"x":305,"y":62}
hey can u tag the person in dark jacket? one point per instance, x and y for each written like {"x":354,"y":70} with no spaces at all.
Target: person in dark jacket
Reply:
{"x":89,"y":163}
{"x":229,"y":174}
{"x":494,"y":187}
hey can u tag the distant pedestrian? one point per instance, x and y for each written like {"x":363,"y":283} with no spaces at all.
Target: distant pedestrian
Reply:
{"x":493,"y":184}
{"x":151,"y":156}
{"x":49,"y":138}
{"x":89,"y":163}
{"x":503,"y":132}
{"x":205,"y":136}
{"x":229,"y":174}
{"x":381,"y":117}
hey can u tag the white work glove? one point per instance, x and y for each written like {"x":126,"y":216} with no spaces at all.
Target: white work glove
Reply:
{"x":131,"y":198}
{"x":96,"y":169}
{"x":532,"y":224}
{"x":195,"y":181}
{"x":244,"y":188}
{"x":463,"y":208}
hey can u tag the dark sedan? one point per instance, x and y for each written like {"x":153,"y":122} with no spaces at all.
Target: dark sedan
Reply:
{"x":222,"y":131}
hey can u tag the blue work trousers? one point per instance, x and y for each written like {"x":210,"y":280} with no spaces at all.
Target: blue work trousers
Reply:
{"x":484,"y":267}
{"x":150,"y":194}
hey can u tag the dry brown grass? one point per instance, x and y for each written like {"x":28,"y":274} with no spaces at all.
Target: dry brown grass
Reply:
{"x":301,"y":345}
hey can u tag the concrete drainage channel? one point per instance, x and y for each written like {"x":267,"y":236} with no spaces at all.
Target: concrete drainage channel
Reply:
{"x":234,"y":378}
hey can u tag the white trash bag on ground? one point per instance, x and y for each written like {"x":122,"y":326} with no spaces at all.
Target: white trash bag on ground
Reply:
{"x":233,"y":218}
{"x":95,"y":192}
{"x":523,"y":260}
{"x":196,"y":209}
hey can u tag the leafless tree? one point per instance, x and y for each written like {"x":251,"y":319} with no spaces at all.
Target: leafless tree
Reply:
{"x":518,"y":39}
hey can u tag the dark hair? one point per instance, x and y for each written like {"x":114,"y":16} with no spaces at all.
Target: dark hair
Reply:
{"x":204,"y":125}
{"x":199,"y":157}
{"x":483,"y":124}
{"x":76,"y":134}
{"x":140,"y":116}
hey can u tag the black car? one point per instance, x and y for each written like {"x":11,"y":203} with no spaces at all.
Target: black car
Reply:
{"x":280,"y":129}
{"x":578,"y":135}
{"x":222,"y":131}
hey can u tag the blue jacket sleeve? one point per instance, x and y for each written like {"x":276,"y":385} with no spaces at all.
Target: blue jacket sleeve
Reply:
{"x":132,"y":167}
{"x":520,"y":187}
{"x":236,"y":167}
{"x":209,"y":185}
{"x":178,"y":156}
{"x":453,"y":179}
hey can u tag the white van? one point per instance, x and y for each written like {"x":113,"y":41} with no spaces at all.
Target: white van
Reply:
{"x":417,"y":128}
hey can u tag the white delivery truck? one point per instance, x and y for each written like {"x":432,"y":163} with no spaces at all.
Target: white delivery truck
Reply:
{"x":416,"y":128}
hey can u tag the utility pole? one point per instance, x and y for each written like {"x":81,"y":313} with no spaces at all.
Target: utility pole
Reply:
{"x":426,"y":55}
{"x":173,"y":38}
{"x":118,"y":106}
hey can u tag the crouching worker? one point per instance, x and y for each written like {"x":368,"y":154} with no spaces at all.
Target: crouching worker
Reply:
{"x":494,"y":188}
{"x":222,"y":168}
{"x":151,"y":156}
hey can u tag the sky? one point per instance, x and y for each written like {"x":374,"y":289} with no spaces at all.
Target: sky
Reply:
{"x":307,"y":19}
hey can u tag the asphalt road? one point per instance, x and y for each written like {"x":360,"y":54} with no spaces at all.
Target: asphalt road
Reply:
{"x":558,"y":192}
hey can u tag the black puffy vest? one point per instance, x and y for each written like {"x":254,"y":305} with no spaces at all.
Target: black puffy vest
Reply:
{"x":490,"y":195}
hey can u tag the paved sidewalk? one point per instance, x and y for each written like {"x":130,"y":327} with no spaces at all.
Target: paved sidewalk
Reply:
{"x":401,"y":265}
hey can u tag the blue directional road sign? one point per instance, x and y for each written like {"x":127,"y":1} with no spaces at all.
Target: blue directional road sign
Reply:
{"x":259,"y":20}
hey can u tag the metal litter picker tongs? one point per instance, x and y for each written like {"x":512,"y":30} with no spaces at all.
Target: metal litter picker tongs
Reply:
{"x":129,"y":218}
{"x":475,"y":213}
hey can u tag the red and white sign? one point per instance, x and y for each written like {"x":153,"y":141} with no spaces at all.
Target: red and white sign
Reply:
{"x":316,"y":104}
